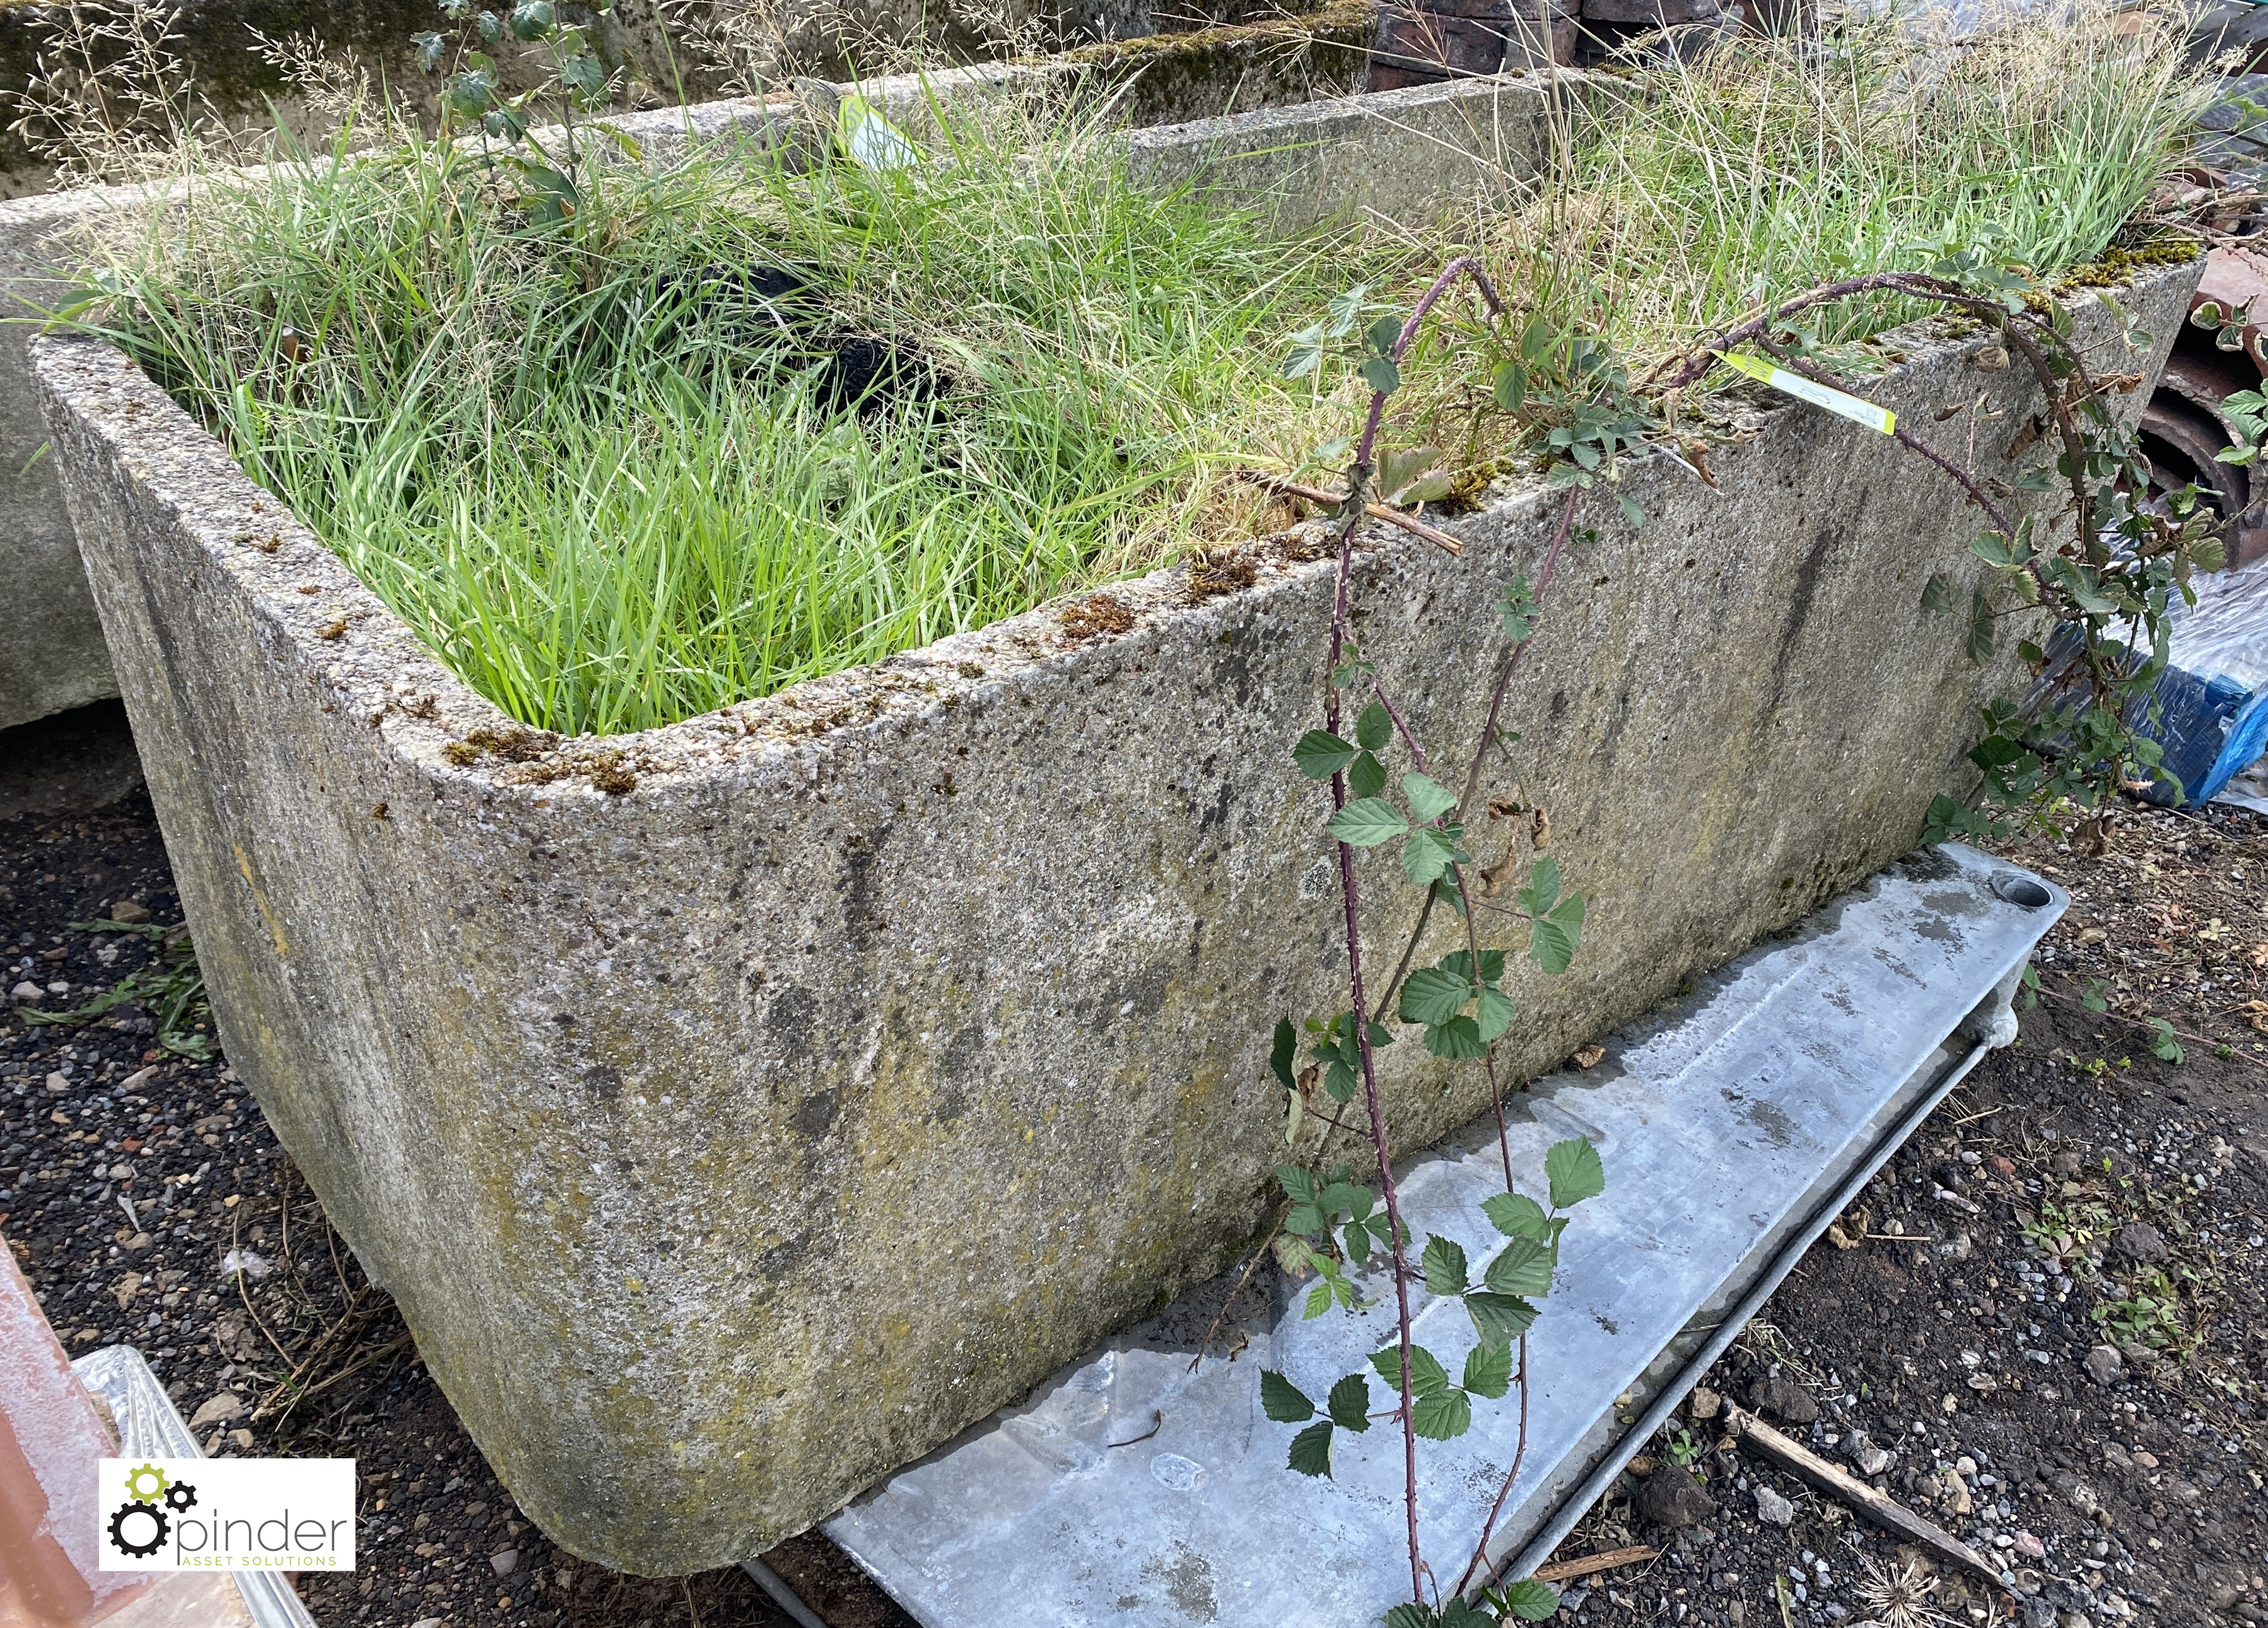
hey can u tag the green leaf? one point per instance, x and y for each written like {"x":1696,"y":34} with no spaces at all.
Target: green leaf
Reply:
{"x":1284,"y":1056}
{"x":1367,"y":821}
{"x":1434,"y":995}
{"x":1357,"y":1243}
{"x":1427,"y":1376}
{"x":1516,"y":1215}
{"x":1442,"y":1415}
{"x":532,"y":19}
{"x":1320,"y":753}
{"x":1937,"y":593}
{"x":586,"y":77}
{"x":1304,"y":1220}
{"x":1517,"y":606}
{"x":1499,"y":1317}
{"x":1488,"y":1369}
{"x":1340,"y":1080}
{"x":1458,"y":1039}
{"x":1410,"y":1616}
{"x":1349,"y":1404}
{"x":1552,"y":938}
{"x":1426,"y":798}
{"x":1283,"y":1401}
{"x":1342,"y":313}
{"x":1542,"y":890}
{"x":1311,"y":1449}
{"x":1495,"y":1013}
{"x":1523,"y":1267}
{"x":1574,"y":1171}
{"x":1531,"y":1601}
{"x":1367,"y":777}
{"x":1297,"y":1182}
{"x":1429,"y":852}
{"x":1381,"y":375}
{"x":2165,"y":1045}
{"x":1384,"y":334}
{"x":1376,"y":727}
{"x":1511,"y":387}
{"x":1344,"y":1195}
{"x":1978,"y":643}
{"x":1319,"y":1301}
{"x":1444,"y":1265}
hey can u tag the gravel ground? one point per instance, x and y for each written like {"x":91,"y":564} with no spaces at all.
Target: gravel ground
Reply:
{"x":2048,"y":1311}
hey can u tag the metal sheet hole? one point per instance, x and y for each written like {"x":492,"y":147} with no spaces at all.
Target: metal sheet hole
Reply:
{"x":2022,"y":891}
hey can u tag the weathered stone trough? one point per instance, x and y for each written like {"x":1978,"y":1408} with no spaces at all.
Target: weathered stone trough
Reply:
{"x":1182,"y":91}
{"x":739,"y":1109}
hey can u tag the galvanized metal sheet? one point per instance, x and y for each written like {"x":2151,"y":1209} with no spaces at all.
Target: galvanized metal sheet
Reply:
{"x":1136,"y":1488}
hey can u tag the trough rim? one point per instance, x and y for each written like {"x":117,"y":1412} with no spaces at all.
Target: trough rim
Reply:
{"x":374,"y":661}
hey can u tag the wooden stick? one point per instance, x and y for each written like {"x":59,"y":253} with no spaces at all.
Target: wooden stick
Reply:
{"x":1882,"y":1511}
{"x":1410,"y":523}
{"x":1565,"y":1571}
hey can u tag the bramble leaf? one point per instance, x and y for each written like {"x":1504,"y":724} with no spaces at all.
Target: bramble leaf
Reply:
{"x":1542,"y":890}
{"x":1427,"y":799}
{"x":1937,"y":593}
{"x":1457,"y":1039}
{"x":1429,"y":852}
{"x":1552,"y":938}
{"x":1531,"y":1601}
{"x":1488,"y":1369}
{"x":1575,"y":1172}
{"x":1367,"y":777}
{"x":1367,"y":821}
{"x":1311,"y":1449}
{"x":1283,"y":1401}
{"x":1374,"y":727}
{"x":1444,"y":1265}
{"x":1522,"y":1267}
{"x":1516,"y":1215}
{"x":1498,"y":1317}
{"x":1433,"y":995}
{"x":1284,"y":1054}
{"x":1495,"y":1013}
{"x":1349,"y":1404}
{"x":1442,"y":1415}
{"x":1320,"y":753}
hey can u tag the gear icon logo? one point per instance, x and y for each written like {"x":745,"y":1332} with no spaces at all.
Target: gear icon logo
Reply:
{"x":180,"y":1496}
{"x":147,"y":1484}
{"x":133,"y":1519}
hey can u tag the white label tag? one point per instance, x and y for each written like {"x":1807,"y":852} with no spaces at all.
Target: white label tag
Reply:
{"x":1811,"y":390}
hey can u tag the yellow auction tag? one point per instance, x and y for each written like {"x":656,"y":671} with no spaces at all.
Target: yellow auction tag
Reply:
{"x":1810,"y":390}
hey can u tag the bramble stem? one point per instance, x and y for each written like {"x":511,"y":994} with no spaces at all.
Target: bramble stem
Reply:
{"x":1358,"y":479}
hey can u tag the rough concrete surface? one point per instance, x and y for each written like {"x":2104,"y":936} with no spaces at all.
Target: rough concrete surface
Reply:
{"x":989,"y":937}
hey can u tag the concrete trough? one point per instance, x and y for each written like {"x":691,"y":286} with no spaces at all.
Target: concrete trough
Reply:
{"x":739,"y":1109}
{"x":1195,"y":104}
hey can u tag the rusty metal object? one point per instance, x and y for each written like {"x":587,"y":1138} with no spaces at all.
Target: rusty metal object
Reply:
{"x":2184,"y":429}
{"x":1426,"y":41}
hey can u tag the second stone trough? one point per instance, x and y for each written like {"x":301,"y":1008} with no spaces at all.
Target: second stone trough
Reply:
{"x":739,"y":1109}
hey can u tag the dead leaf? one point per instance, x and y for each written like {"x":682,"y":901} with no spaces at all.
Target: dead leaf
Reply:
{"x":1540,"y":830}
{"x":1589,"y":1057}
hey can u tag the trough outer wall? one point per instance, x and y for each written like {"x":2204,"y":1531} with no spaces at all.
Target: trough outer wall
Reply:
{"x":733,"y":1140}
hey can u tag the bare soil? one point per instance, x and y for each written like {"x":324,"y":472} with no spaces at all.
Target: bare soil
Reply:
{"x":1949,"y":1318}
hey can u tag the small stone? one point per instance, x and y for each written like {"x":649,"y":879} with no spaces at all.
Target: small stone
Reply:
{"x":2139,"y":1240}
{"x":504,"y":1561}
{"x":241,"y":1439}
{"x":1773,"y":1509}
{"x":435,"y":1622}
{"x":2065,"y":1163}
{"x":1964,"y":1465}
{"x":138,"y":1079}
{"x":1778,"y":1393}
{"x":1703,"y":1404}
{"x":2031,"y":1547}
{"x":58,"y":1084}
{"x":2144,"y":1460}
{"x":222,"y":1409}
{"x":1956,"y":1495}
{"x":58,"y":986}
{"x":132,"y":912}
{"x":2076,"y":1619}
{"x":2137,"y":1353}
{"x":28,"y":994}
{"x":2037,"y":1612}
{"x":1671,"y":1496}
{"x":1870,"y":1460}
